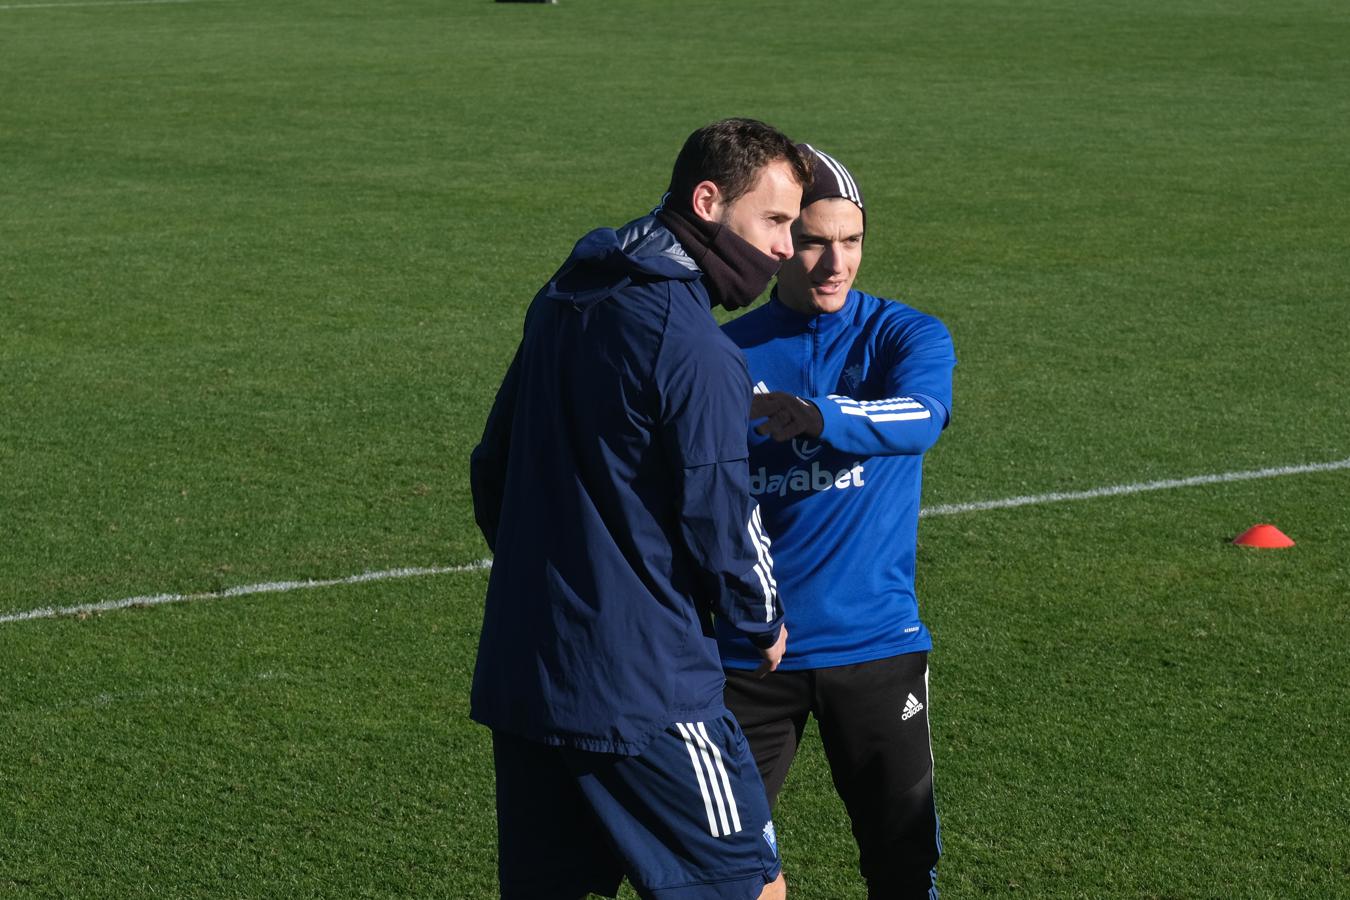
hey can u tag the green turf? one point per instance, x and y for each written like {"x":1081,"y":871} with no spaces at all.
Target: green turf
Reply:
{"x":262,"y":266}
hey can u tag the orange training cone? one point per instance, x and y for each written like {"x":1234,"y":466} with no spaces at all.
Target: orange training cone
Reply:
{"x":1263,"y":536}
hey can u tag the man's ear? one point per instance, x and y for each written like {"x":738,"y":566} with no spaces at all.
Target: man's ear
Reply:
{"x":707,"y":201}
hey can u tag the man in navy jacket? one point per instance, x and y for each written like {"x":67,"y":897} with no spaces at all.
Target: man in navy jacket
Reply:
{"x":853,"y":390}
{"x":611,"y":485}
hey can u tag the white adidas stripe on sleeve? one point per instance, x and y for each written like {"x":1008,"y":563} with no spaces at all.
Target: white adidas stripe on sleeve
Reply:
{"x":883,"y":410}
{"x":763,"y":568}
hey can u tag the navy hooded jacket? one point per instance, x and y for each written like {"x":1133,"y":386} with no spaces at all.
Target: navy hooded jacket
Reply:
{"x":612,"y":485}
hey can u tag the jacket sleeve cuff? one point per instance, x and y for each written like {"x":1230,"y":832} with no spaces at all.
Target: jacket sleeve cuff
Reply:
{"x":765,"y":640}
{"x":830,"y":416}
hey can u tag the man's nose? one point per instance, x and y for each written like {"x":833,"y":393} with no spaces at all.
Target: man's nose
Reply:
{"x":829,"y":259}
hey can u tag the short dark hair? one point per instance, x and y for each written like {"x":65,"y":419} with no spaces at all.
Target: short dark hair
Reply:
{"x":730,"y":154}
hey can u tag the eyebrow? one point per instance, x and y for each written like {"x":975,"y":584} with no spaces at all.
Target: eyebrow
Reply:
{"x":808,"y":236}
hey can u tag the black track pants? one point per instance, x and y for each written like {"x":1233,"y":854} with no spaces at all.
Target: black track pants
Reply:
{"x":873,"y":719}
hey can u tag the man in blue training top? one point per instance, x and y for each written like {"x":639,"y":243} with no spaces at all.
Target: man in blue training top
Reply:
{"x":611,"y":485}
{"x":852,"y":390}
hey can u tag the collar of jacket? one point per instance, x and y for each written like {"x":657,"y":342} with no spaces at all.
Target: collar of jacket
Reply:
{"x":823,"y":322}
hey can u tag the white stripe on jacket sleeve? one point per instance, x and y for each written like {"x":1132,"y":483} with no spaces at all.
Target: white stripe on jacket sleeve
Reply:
{"x":883,"y":410}
{"x":763,"y":568}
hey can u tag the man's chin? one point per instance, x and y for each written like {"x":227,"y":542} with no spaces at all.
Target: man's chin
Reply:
{"x":828,"y":303}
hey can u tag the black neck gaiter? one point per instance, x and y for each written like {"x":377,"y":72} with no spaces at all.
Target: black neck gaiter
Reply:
{"x":734,"y":271}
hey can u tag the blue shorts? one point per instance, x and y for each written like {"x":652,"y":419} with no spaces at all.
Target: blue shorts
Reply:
{"x":684,"y":819}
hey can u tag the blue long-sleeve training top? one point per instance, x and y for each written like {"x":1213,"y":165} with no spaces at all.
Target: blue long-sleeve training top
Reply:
{"x":843,"y":510}
{"x":611,"y":484}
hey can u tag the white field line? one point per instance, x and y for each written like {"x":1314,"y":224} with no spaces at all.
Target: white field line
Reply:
{"x":271,"y":587}
{"x":51,"y":612}
{"x":1136,"y":488}
{"x":100,"y":3}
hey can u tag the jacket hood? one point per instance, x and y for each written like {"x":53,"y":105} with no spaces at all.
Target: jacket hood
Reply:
{"x":607,"y":260}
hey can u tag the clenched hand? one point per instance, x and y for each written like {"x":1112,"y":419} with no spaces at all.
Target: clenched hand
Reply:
{"x":772,"y":656}
{"x":788,"y":416}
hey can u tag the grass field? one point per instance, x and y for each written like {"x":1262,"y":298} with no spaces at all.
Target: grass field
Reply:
{"x":262,"y":266}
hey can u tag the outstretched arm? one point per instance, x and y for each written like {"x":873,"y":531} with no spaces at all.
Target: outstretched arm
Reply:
{"x":908,"y":419}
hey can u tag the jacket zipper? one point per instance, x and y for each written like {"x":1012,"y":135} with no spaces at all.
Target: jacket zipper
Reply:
{"x":813,"y":336}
